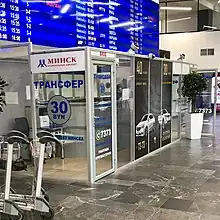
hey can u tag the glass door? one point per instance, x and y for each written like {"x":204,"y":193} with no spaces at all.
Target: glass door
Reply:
{"x":104,"y":118}
{"x":206,"y":103}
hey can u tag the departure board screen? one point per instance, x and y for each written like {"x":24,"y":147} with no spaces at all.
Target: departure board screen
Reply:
{"x":108,"y":24}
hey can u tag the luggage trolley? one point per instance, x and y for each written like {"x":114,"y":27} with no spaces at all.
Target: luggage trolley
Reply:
{"x":16,"y":149}
{"x":7,"y":205}
{"x":12,"y":203}
{"x":16,"y":152}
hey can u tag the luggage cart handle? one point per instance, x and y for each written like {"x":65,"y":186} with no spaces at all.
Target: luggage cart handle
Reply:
{"x":17,"y":139}
{"x":16,"y":133}
{"x":46,"y":139}
{"x":41,"y":134}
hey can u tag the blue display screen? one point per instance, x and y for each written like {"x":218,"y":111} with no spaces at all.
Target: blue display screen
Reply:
{"x":109,"y":24}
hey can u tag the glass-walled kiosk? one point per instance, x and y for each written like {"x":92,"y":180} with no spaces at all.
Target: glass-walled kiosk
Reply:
{"x":106,"y":108}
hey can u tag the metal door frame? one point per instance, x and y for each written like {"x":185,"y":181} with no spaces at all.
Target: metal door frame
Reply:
{"x":90,"y":104}
{"x":215,"y":99}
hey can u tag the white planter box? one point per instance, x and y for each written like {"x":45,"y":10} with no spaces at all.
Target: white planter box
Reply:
{"x":194,"y":123}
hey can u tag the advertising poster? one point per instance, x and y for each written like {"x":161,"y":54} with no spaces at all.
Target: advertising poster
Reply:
{"x":155,"y":104}
{"x":143,"y":120}
{"x":103,"y":131}
{"x":165,"y":114}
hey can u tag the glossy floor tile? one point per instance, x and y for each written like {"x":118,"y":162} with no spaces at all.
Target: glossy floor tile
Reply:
{"x":181,"y":182}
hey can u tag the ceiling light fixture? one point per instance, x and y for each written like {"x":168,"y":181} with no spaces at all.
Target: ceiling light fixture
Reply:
{"x":136,"y":28}
{"x":176,"y":8}
{"x":103,"y":3}
{"x":56,"y":16}
{"x":65,"y":8}
{"x":85,"y":15}
{"x":124,"y":24}
{"x":103,"y":20}
{"x":179,"y":19}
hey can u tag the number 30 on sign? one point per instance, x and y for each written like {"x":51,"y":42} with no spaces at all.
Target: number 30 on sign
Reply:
{"x":59,"y":110}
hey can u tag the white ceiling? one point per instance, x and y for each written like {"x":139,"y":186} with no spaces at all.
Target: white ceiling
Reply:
{"x":204,"y":4}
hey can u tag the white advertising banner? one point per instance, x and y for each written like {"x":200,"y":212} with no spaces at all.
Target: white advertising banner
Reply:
{"x":58,"y":62}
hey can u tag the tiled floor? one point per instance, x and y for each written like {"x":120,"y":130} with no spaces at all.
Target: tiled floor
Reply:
{"x":180,"y":183}
{"x":76,"y":168}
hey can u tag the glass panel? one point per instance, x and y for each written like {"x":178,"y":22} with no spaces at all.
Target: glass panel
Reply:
{"x":173,"y":21}
{"x":143,"y":119}
{"x":176,"y":101}
{"x":67,"y":92}
{"x":124,"y":110}
{"x":185,"y":69}
{"x":53,"y":91}
{"x":103,"y":117}
{"x":14,"y":70}
{"x":154,"y":122}
{"x":205,"y":103}
{"x":165,"y":115}
{"x":68,"y":161}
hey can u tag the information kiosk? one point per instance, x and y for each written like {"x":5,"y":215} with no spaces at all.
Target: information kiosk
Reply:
{"x":108,"y":108}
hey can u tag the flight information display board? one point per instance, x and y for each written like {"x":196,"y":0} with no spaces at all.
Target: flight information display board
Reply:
{"x":109,"y":24}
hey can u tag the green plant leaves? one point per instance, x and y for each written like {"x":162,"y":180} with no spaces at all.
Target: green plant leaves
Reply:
{"x":193,"y":85}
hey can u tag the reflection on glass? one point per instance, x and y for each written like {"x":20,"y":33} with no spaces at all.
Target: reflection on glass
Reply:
{"x":176,"y":104}
{"x":67,"y":92}
{"x":103,"y":117}
{"x":73,"y":151}
{"x":124,"y":109}
{"x":205,"y":103}
{"x":53,"y":91}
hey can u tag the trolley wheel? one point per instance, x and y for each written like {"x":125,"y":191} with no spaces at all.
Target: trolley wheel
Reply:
{"x":20,"y":216}
{"x":47,"y":215}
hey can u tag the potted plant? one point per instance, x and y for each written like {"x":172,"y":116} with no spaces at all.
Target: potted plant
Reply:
{"x":193,"y":85}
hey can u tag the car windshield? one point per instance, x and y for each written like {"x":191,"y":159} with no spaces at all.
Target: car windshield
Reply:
{"x":144,"y":118}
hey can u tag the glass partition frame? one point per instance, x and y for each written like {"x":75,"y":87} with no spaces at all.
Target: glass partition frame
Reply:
{"x":92,"y":58}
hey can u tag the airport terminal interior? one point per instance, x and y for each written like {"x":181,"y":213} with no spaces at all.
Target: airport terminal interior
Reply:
{"x":109,"y":109}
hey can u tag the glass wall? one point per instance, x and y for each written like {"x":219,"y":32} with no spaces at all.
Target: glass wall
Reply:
{"x":150,"y":112}
{"x":182,"y":20}
{"x":68,"y":161}
{"x":159,"y":108}
{"x":14,"y":70}
{"x":103,"y":117}
{"x":177,"y":110}
{"x":125,"y":109}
